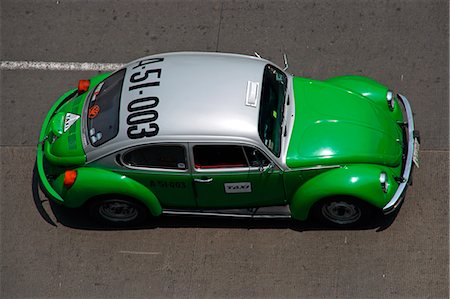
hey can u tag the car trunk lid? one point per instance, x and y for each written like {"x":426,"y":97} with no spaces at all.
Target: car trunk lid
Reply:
{"x":63,"y":144}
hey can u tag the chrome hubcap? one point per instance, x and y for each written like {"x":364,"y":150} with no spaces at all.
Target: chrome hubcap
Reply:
{"x":341,"y":212}
{"x":118,"y":211}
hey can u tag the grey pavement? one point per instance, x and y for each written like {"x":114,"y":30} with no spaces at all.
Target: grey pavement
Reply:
{"x":47,"y":252}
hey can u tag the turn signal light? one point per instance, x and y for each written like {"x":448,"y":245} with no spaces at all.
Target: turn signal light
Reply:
{"x":69,"y":178}
{"x":83,"y":86}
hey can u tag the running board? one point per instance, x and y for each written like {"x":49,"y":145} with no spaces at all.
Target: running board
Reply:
{"x":263,"y":212}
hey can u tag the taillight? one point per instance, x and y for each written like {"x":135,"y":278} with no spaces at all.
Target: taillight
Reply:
{"x":83,"y":86}
{"x":69,"y":178}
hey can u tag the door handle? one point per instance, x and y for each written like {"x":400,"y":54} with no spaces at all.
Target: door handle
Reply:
{"x":203,"y":180}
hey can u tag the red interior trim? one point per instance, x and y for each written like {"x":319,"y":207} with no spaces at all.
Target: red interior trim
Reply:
{"x":220,"y":166}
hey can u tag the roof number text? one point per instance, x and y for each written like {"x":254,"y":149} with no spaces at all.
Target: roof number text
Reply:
{"x":142,"y":117}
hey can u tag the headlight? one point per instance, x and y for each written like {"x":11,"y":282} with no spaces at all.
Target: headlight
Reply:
{"x":383,"y":182}
{"x":390,"y":99}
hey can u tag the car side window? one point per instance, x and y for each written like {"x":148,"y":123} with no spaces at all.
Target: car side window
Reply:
{"x":255,"y":157}
{"x":219,"y":156}
{"x":157,"y":156}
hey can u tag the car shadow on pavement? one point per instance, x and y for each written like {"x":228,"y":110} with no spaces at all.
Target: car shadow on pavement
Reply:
{"x":78,"y":219}
{"x":38,"y":201}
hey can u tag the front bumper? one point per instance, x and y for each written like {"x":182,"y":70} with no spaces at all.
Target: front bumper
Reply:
{"x":411,"y":134}
{"x":43,"y":180}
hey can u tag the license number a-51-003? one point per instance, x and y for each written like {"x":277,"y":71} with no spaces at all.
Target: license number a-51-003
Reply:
{"x":142,"y":116}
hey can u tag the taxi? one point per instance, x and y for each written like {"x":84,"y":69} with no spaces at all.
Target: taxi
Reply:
{"x":231,"y":135}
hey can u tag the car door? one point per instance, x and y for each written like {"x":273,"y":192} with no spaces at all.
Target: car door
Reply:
{"x":164,"y":169}
{"x":234,"y":176}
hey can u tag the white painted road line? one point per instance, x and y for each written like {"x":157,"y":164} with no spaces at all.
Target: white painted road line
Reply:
{"x":139,"y":252}
{"x":59,"y":66}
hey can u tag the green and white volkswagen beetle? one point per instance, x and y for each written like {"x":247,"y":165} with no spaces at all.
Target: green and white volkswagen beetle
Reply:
{"x":227,"y":135}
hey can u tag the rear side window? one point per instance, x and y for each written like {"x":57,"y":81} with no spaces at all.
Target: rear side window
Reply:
{"x":157,"y":156}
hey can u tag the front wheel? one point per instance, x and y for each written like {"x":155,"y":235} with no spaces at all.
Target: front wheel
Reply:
{"x":117,"y":211}
{"x":342,"y":212}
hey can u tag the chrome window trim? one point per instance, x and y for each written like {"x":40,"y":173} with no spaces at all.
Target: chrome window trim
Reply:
{"x":289,"y":120}
{"x":398,"y":196}
{"x":221,"y":170}
{"x":186,"y":158}
{"x":228,"y":169}
{"x":156,"y":169}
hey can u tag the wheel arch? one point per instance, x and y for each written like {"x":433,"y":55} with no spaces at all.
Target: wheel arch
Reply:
{"x":95,"y":182}
{"x":355,"y":181}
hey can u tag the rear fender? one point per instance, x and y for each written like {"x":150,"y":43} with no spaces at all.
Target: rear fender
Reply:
{"x":358,"y":181}
{"x":93,"y":182}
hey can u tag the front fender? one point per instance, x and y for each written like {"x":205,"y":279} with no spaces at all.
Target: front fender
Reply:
{"x":369,"y":89}
{"x":360,"y":181}
{"x":91,"y":182}
{"x":364,"y":86}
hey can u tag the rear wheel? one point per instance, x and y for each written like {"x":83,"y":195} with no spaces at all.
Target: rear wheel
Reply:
{"x":117,"y":210}
{"x":342,"y":211}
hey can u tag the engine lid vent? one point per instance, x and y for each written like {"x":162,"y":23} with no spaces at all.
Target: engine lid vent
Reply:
{"x":252,"y":93}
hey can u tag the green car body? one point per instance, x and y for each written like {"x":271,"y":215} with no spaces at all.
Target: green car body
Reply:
{"x":346,"y":139}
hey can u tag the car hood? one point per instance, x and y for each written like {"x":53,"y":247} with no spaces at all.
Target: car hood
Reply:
{"x":334,"y":126}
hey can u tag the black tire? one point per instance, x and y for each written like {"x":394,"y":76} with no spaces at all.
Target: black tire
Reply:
{"x":117,"y":210}
{"x":342,"y":212}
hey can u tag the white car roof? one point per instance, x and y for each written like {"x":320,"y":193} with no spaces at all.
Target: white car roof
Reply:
{"x":200,"y":97}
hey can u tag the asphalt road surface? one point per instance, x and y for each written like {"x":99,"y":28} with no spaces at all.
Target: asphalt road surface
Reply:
{"x":48,"y":252}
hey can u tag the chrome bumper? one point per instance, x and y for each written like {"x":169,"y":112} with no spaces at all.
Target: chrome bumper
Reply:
{"x":406,"y":175}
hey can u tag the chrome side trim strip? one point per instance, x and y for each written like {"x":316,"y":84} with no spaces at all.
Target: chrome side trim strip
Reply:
{"x":225,"y":214}
{"x":318,"y":167}
{"x":397,"y":198}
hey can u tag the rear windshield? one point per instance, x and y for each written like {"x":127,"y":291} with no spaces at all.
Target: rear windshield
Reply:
{"x":103,"y":111}
{"x":271,"y":112}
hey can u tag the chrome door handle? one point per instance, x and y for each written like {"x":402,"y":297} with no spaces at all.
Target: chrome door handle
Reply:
{"x":203,"y":180}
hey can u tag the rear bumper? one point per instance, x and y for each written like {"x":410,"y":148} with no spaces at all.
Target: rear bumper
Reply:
{"x":40,"y":157}
{"x":411,"y":134}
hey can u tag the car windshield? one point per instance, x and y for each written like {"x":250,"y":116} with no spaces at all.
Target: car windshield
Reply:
{"x":103,"y":111}
{"x":272,"y":108}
